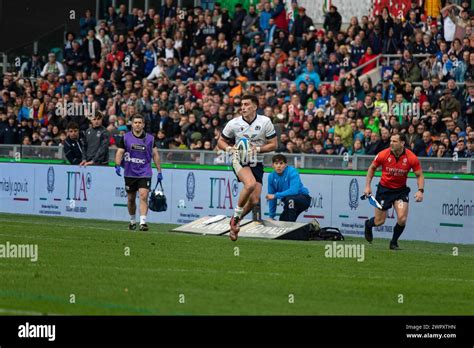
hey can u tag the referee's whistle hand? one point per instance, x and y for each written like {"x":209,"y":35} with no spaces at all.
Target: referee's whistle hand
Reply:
{"x":419,"y":196}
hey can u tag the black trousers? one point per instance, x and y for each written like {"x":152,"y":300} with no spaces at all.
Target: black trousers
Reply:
{"x":294,"y":206}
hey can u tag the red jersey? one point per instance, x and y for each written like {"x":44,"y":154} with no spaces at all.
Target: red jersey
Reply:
{"x":395,"y":171}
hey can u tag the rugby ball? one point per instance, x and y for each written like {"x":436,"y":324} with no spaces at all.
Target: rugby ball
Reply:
{"x":243,"y":147}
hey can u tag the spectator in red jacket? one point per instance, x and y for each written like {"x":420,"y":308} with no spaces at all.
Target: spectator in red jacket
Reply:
{"x":368,"y":56}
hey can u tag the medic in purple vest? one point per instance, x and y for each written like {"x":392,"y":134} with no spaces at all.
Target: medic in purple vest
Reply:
{"x":137,"y":149}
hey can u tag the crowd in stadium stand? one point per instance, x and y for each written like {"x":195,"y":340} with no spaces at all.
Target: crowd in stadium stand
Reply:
{"x":185,"y":70}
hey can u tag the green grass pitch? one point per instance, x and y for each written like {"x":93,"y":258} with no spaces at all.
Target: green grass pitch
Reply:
{"x":170,"y":273}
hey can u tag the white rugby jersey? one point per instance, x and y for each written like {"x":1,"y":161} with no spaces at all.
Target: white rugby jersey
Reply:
{"x":257,"y":132}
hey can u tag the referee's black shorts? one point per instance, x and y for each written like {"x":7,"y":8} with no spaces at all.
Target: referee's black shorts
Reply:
{"x":257,"y":171}
{"x":387,"y":196}
{"x":133,"y":184}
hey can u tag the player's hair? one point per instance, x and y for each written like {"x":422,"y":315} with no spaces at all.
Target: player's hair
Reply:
{"x":250,"y":97}
{"x":138,"y":116}
{"x":72,"y":125}
{"x":279,"y":158}
{"x":97,"y":115}
{"x":401,"y":136}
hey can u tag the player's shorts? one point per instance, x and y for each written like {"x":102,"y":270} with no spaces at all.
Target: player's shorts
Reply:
{"x":257,"y":172}
{"x":133,"y":184}
{"x":387,"y":196}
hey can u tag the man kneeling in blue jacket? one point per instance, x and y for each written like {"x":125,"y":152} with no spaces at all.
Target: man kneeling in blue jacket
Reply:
{"x":285,"y":184}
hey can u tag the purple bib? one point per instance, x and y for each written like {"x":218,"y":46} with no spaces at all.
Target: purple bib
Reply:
{"x":138,"y":155}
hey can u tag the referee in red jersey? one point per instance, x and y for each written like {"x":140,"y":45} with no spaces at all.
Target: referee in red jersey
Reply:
{"x":396,"y":162}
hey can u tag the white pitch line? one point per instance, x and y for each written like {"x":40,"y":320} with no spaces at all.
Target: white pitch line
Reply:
{"x":57,"y":225}
{"x":23,"y":312}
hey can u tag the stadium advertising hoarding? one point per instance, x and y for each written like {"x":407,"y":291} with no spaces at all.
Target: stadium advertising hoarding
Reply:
{"x":445,"y":215}
{"x":197,"y":193}
{"x":16,"y":190}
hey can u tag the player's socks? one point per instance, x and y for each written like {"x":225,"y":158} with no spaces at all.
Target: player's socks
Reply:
{"x":238,"y":212}
{"x":142,"y":219}
{"x":371,"y":222}
{"x":133,"y":219}
{"x":397,"y":232}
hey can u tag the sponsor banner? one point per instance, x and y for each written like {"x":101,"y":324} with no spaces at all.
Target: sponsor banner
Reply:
{"x":16,"y":190}
{"x":200,"y":193}
{"x":82,"y":192}
{"x":445,"y":215}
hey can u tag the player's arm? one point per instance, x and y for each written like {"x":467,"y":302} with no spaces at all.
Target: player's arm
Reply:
{"x":270,"y":146}
{"x":420,"y":181}
{"x":272,"y":203}
{"x":370,"y":174}
{"x":119,"y":156}
{"x":224,"y":143}
{"x":225,"y":140}
{"x":156,"y":159}
{"x":270,"y":135}
{"x":420,"y":178}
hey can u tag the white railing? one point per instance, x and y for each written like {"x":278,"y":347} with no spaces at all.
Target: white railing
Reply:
{"x":307,"y":161}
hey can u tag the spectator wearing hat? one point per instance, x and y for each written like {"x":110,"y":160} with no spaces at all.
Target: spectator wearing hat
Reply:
{"x":302,"y":24}
{"x":413,"y":73}
{"x":52,"y":67}
{"x":449,"y":104}
{"x":332,"y":20}
{"x":329,"y":147}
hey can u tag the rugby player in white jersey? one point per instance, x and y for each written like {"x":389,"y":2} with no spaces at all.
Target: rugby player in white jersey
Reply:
{"x":260,"y":133}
